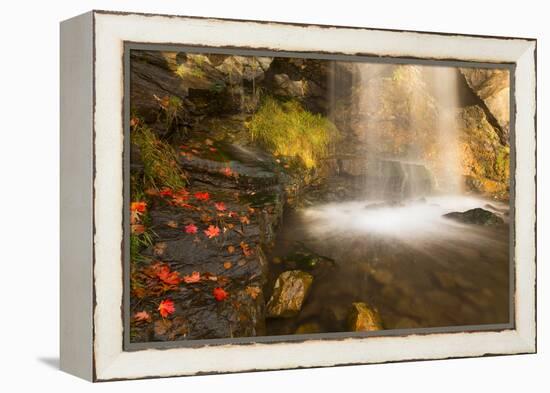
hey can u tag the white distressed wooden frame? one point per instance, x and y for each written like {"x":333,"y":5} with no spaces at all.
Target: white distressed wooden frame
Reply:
{"x":92,"y":89}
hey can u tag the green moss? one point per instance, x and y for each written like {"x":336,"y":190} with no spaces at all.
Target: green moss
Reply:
{"x":160,"y":165}
{"x":287,"y":129}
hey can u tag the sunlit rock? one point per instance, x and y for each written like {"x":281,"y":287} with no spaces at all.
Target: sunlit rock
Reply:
{"x":289,"y":294}
{"x":493,"y":87}
{"x":363,"y":318}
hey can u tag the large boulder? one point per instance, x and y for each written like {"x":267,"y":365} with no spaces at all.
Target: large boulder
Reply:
{"x":484,"y":158}
{"x":289,"y":294}
{"x":492,"y":86}
{"x":363,"y":318}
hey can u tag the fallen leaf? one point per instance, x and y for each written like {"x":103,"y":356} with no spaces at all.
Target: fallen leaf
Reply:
{"x":253,"y":292}
{"x":191,"y":228}
{"x":167,"y":276}
{"x":139,"y":206}
{"x":137,"y":229}
{"x":245,"y":220}
{"x":209,"y":142}
{"x":232,"y":214}
{"x":166,"y":192}
{"x":172,"y":224}
{"x":220,"y":206}
{"x":227,"y":265}
{"x":142,"y":316}
{"x":159,"y":248}
{"x":231,"y":249}
{"x":162,"y":326}
{"x":247,"y":251}
{"x":192,"y":278}
{"x":166,"y":307}
{"x":220,"y":294}
{"x":134,"y":121}
{"x":212,"y":231}
{"x":202,"y":196}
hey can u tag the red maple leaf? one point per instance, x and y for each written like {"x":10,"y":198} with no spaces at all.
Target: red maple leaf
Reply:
{"x":212,"y":231}
{"x":165,"y":275}
{"x":202,"y":196}
{"x":192,"y":278}
{"x":166,"y":307}
{"x":191,"y":228}
{"x":220,"y":294}
{"x":139,"y":206}
{"x":166,"y":192}
{"x":220,"y":206}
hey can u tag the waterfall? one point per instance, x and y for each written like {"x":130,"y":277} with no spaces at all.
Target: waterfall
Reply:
{"x":407,"y":123}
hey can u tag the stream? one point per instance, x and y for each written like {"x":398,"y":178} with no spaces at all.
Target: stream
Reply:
{"x":418,"y":268}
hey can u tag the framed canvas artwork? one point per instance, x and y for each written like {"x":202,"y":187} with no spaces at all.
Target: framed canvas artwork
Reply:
{"x":245,"y":195}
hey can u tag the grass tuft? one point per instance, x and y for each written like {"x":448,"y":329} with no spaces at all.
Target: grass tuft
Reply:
{"x":160,"y":161}
{"x":287,"y":129}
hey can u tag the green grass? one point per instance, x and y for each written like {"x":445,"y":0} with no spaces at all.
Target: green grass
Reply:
{"x":160,"y":160}
{"x":287,"y":129}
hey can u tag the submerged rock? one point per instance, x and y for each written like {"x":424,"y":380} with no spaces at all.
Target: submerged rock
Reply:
{"x":476,"y":216}
{"x":363,"y":318}
{"x":289,"y":294}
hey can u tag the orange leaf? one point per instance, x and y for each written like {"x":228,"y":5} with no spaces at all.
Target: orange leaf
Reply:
{"x":227,"y":265}
{"x":212,"y":231}
{"x":253,"y":292}
{"x":220,"y":206}
{"x":231,"y":249}
{"x":166,"y":307}
{"x":167,"y":276}
{"x":202,"y":196}
{"x":142,"y":316}
{"x":137,"y":229}
{"x":139,"y":206}
{"x":247,"y":251}
{"x":192,"y":278}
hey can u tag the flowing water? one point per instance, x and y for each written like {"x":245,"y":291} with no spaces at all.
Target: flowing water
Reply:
{"x":392,"y":247}
{"x":416,"y":267}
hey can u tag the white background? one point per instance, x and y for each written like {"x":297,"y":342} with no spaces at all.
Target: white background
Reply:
{"x":29,"y":197}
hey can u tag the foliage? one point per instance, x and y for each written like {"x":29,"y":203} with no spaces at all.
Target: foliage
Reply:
{"x":160,"y":163}
{"x":286,"y":129}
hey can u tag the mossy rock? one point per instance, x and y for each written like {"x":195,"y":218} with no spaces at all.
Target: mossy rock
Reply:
{"x":289,"y":294}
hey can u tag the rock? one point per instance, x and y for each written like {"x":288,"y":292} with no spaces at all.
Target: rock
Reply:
{"x":363,"y":318}
{"x":289,"y":294}
{"x":492,"y":86}
{"x":308,"y":328}
{"x":476,"y":216}
{"x":485,"y":159}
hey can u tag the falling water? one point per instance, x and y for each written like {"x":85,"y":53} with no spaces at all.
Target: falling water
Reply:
{"x":445,"y":90}
{"x":392,"y":246}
